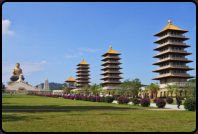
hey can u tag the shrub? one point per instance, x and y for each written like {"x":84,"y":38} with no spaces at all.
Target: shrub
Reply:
{"x":57,"y":96}
{"x":145,"y":102}
{"x":190,"y":104}
{"x":77,"y":97}
{"x":123,"y":100}
{"x":160,"y":103}
{"x":97,"y":99}
{"x":136,"y":101}
{"x":71,"y":97}
{"x":108,"y":99}
{"x":89,"y":98}
{"x":102,"y":99}
{"x":93,"y":99}
{"x":169,"y":100}
{"x":154,"y":100}
{"x":84,"y":98}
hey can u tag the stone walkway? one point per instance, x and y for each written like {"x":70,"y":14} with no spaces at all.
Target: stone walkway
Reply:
{"x":172,"y":107}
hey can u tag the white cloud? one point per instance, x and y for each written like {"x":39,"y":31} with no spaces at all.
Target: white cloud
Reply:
{"x":27,"y":68}
{"x":5,"y":27}
{"x":73,"y":56}
{"x":89,"y":49}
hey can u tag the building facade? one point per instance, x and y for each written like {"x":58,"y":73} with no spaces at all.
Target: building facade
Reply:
{"x":111,"y":75}
{"x":172,"y":61}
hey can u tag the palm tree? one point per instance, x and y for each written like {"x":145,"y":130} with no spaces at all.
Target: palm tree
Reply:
{"x":156,"y":89}
{"x":170,"y":88}
{"x":151,"y":89}
{"x":85,"y":89}
{"x":95,"y":89}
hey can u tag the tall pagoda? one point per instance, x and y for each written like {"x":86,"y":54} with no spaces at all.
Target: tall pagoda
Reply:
{"x":71,"y":82}
{"x":83,"y":74}
{"x":111,"y":70}
{"x":172,"y":62}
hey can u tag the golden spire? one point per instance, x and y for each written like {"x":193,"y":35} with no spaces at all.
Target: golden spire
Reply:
{"x":46,"y":78}
{"x":110,"y":47}
{"x":82,"y":59}
{"x":169,"y":21}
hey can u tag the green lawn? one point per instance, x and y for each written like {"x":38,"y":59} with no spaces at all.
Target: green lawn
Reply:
{"x":90,"y":120}
{"x":41,"y":102}
{"x":99,"y":121}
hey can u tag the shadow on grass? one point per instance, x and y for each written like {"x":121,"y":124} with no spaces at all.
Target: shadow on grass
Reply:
{"x":11,"y":118}
{"x":65,"y":107}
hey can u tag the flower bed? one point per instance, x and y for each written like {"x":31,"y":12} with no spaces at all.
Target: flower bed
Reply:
{"x":123,"y":100}
{"x":190,"y":104}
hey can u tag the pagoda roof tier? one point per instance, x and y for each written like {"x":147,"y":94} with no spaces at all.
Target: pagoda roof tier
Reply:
{"x":110,"y":62}
{"x":110,"y":82}
{"x":82,"y":71}
{"x":83,"y":63}
{"x":82,"y":78}
{"x":79,"y":67}
{"x":82,"y":85}
{"x":173,"y":76}
{"x":107,"y":67}
{"x":70,"y":79}
{"x":169,"y":67}
{"x":79,"y":81}
{"x":111,"y":51}
{"x":171,"y":44}
{"x":171,"y":52}
{"x":174,"y":60}
{"x":82,"y":74}
{"x":109,"y":72}
{"x":105,"y":58}
{"x":110,"y":77}
{"x":171,"y":37}
{"x":170,"y":27}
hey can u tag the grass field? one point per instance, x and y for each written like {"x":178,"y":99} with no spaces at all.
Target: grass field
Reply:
{"x":89,"y":121}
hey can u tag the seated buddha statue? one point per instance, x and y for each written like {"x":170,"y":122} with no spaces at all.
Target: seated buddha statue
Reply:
{"x":16,"y":72}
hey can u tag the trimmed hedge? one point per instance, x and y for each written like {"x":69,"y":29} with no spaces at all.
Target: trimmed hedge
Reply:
{"x":136,"y":101}
{"x":108,"y":99}
{"x":169,"y":100}
{"x":123,"y":100}
{"x":160,"y":103}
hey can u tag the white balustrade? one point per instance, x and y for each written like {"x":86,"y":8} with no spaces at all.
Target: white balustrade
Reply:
{"x":172,"y":74}
{"x":168,"y":50}
{"x":179,"y":58}
{"x":179,"y":84}
{"x":173,"y":66}
{"x":170,"y":35}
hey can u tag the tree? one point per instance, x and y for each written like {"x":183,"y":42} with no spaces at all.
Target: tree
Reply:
{"x":95,"y":89}
{"x":3,"y":88}
{"x":190,"y":88}
{"x":122,"y":88}
{"x":134,"y":86}
{"x":71,"y":92}
{"x":170,"y":88}
{"x":176,"y":89}
{"x":145,"y":92}
{"x":85,"y":89}
{"x":153,"y":88}
{"x":112,"y":92}
{"x":66,"y":90}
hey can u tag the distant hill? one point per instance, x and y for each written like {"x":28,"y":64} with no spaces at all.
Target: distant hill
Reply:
{"x":52,"y":85}
{"x":192,"y":80}
{"x":142,"y":85}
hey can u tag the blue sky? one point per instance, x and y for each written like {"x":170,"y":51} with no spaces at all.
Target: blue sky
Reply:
{"x":50,"y":39}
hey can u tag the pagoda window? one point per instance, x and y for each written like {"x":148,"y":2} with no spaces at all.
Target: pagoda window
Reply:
{"x":174,"y":71}
{"x":176,"y":48}
{"x":172,"y":40}
{"x":171,"y":32}
{"x":177,"y":63}
{"x":178,"y":71}
{"x":179,"y":41}
{"x":172,"y":47}
{"x":167,"y":71}
{"x":182,"y":72}
{"x":179,"y":48}
{"x":175,"y":40}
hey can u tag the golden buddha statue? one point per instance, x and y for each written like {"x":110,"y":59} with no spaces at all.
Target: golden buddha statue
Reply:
{"x":16,"y":73}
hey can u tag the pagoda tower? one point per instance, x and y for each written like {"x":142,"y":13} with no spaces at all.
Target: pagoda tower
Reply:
{"x":172,"y":61}
{"x":111,"y":70}
{"x":71,"y":82}
{"x":46,"y":85}
{"x":83,"y":74}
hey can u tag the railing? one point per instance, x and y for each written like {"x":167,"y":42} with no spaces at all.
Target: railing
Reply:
{"x":172,"y":74}
{"x":173,"y":66}
{"x":110,"y":71}
{"x":170,"y":42}
{"x":174,"y":50}
{"x":179,"y":84}
{"x":83,"y":70}
{"x":170,"y":35}
{"x":110,"y":87}
{"x":112,"y":66}
{"x":110,"y":57}
{"x":172,"y":58}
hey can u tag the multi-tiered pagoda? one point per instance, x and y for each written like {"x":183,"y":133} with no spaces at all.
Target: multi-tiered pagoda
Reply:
{"x":83,"y":74}
{"x":71,"y":82}
{"x":111,"y":70}
{"x":172,"y":61}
